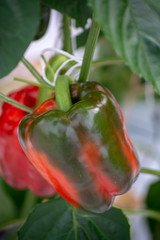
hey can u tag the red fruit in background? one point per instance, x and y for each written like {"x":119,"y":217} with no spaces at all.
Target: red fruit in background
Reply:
{"x":15,"y":167}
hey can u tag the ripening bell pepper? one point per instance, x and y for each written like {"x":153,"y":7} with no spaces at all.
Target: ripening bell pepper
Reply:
{"x":85,"y":153}
{"x":15,"y":167}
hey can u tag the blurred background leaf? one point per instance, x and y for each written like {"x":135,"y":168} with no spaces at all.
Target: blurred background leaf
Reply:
{"x":45,"y":13}
{"x":77,"y":9}
{"x":115,"y":77}
{"x":8,"y":209}
{"x":133,"y":28}
{"x":153,"y":202}
{"x":19,"y":20}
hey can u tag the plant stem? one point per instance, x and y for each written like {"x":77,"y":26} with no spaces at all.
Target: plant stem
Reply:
{"x":32,"y":70}
{"x":33,"y":83}
{"x":43,"y":94}
{"x":48,"y":66}
{"x":150,"y":171}
{"x":63,"y":96}
{"x":15,"y":103}
{"x":107,"y":62}
{"x":67,"y":41}
{"x":89,"y":50}
{"x":145,"y":212}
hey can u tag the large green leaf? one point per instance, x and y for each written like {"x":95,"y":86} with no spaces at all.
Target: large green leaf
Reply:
{"x":133,"y":28}
{"x":153,"y":202}
{"x":77,"y":9}
{"x":58,"y":220}
{"x":19,"y":21}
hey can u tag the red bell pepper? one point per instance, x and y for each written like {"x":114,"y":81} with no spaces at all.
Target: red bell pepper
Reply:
{"x":84,"y":152}
{"x":15,"y":167}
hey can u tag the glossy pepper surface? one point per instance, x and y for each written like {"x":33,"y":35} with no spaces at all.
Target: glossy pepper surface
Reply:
{"x":15,"y":167}
{"x":85,"y":153}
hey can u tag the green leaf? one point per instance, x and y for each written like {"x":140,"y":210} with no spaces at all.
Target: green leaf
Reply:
{"x":81,"y":39}
{"x":115,"y":77}
{"x":18,"y":24}
{"x":43,"y":22}
{"x":58,"y":220}
{"x":17,"y":196}
{"x":77,"y":9}
{"x":152,"y":202}
{"x":7,"y":207}
{"x":133,"y":28}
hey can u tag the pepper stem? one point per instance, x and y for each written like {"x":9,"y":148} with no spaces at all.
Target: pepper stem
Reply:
{"x":43,"y":94}
{"x":63,"y":97}
{"x":89,"y":50}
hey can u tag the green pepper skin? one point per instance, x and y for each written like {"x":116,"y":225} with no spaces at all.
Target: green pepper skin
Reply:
{"x":85,"y":153}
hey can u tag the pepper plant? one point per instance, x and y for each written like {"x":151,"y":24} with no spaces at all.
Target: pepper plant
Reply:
{"x":77,"y":155}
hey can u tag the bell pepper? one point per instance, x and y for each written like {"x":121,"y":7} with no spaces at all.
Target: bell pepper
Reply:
{"x":85,"y":152}
{"x":15,"y":167}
